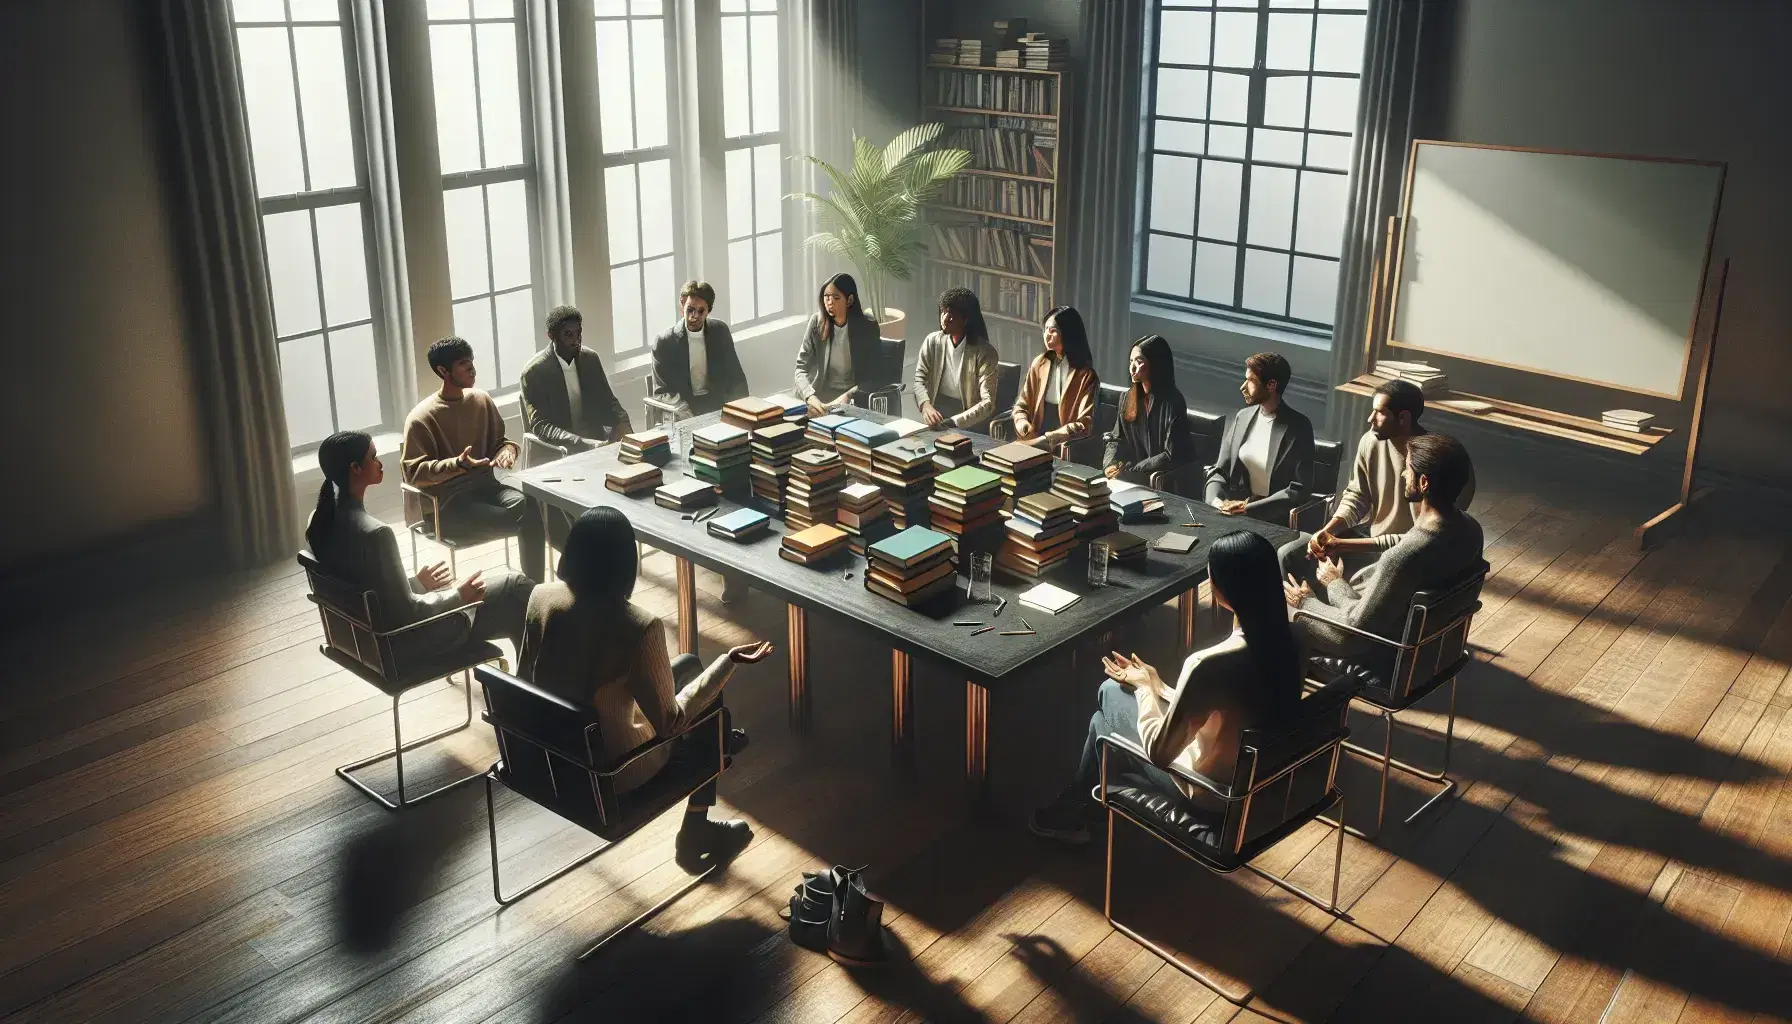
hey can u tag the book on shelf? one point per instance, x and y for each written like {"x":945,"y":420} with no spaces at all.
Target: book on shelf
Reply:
{"x":1018,"y":252}
{"x":1004,"y":296}
{"x":1015,"y":150}
{"x":1033,"y":200}
{"x":997,"y":92}
{"x":1040,"y":52}
{"x":1628,"y":419}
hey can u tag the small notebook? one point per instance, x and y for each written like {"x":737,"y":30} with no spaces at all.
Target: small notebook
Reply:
{"x":1174,"y":543}
{"x":1049,"y":599}
{"x":741,"y":524}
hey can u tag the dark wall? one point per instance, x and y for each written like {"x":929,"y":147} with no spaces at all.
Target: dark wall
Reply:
{"x":100,"y":404}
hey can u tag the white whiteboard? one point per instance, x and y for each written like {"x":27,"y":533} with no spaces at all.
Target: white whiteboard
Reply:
{"x":1585,"y":267}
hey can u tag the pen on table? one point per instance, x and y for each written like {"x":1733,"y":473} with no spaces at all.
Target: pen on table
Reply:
{"x":1016,"y":632}
{"x":1024,"y":624}
{"x":985,"y":629}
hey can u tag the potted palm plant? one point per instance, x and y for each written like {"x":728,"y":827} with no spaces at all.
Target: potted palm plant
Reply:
{"x":872,"y":216}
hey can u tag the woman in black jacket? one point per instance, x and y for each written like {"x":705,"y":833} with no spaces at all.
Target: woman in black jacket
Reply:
{"x":1151,"y":433}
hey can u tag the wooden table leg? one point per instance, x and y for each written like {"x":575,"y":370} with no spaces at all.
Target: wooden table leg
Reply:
{"x":1186,"y":606}
{"x":976,"y":735}
{"x":902,"y":710}
{"x":687,"y":607}
{"x":796,"y":620}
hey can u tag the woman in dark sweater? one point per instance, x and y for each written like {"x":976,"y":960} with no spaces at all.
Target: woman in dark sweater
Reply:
{"x":1151,"y":433}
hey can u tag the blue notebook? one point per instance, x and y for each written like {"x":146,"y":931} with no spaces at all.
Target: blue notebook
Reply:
{"x":830,"y":423}
{"x":867,"y":433}
{"x":739,"y":524}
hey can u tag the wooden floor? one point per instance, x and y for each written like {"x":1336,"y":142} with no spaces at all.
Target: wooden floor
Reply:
{"x":174,"y":845}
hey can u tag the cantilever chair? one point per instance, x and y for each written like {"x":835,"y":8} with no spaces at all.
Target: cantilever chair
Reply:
{"x":1282,"y":781}
{"x":1311,"y":514}
{"x":537,"y":452}
{"x":423,"y":518}
{"x":1394,"y":675}
{"x":353,"y":640}
{"x":549,"y":753}
{"x":655,"y":411}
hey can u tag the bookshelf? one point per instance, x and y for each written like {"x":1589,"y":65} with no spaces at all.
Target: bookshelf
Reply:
{"x":995,"y":227}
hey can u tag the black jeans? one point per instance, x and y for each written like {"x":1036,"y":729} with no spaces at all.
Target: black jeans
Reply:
{"x":494,"y":510}
{"x":699,"y":747}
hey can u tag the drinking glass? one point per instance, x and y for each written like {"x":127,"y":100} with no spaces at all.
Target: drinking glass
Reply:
{"x":880,"y":404}
{"x":1098,"y":563}
{"x":982,"y":567}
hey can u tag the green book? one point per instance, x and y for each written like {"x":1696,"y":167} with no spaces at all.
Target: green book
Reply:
{"x":910,"y":546}
{"x":968,"y":480}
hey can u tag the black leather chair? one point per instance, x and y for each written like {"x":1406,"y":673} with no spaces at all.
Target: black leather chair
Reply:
{"x":1001,"y":423}
{"x":1209,"y":430}
{"x":1394,"y":675}
{"x":1311,"y":514}
{"x":551,"y":753}
{"x":1089,"y":451}
{"x":1282,"y":781}
{"x":895,"y":353}
{"x":353,"y":640}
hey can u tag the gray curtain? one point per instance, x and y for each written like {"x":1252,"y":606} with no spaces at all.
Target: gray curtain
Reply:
{"x":236,"y":361}
{"x":1390,"y":106}
{"x":825,"y":99}
{"x":1102,"y":178}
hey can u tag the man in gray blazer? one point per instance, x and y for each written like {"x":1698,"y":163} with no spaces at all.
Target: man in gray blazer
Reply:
{"x":694,"y":363}
{"x":1265,"y":466}
{"x":955,"y":374}
{"x":567,"y":399}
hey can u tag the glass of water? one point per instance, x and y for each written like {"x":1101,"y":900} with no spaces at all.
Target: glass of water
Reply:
{"x":1098,"y":563}
{"x":982,"y":567}
{"x":681,"y":443}
{"x":880,"y":404}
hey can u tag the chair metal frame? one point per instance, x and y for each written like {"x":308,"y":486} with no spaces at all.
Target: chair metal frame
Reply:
{"x":1243,"y":800}
{"x":602,"y":782}
{"x":1324,"y":501}
{"x":372,"y":648}
{"x":417,"y":526}
{"x":1403,"y":695}
{"x":532,"y":441}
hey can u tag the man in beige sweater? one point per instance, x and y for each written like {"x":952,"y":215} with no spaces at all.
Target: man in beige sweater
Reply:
{"x":1372,"y":513}
{"x":453,"y":443}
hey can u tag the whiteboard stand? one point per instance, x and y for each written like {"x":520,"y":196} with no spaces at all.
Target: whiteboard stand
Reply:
{"x":1657,"y":527}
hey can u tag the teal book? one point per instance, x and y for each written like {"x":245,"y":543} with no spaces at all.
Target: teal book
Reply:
{"x":741,"y":524}
{"x":910,"y":546}
{"x":867,"y":433}
{"x":831,"y":423}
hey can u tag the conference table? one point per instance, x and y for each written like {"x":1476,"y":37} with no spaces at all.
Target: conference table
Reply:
{"x":835,"y":589}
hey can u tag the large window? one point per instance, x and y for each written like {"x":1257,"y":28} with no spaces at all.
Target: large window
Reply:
{"x":634,"y":50}
{"x":1253,"y":104}
{"x":752,"y":113}
{"x":482,"y":135}
{"x":300,"y":98}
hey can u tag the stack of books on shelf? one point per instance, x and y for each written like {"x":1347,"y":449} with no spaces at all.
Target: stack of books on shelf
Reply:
{"x":966,"y":500}
{"x":856,"y":440}
{"x":740,"y":525}
{"x":1015,"y":150}
{"x":1039,"y":52}
{"x":905,"y":471}
{"x":911,"y":567}
{"x":1133,"y":502}
{"x":813,"y":492}
{"x":719,"y":454}
{"x":815,"y":544}
{"x":862,"y":515}
{"x":1431,"y":380}
{"x":1628,"y":419}
{"x":1086,"y":488}
{"x":772,"y":448}
{"x":634,"y":479}
{"x":1002,"y":196}
{"x":952,"y":450}
{"x":1041,"y":533}
{"x":956,"y":52}
{"x":751,"y":413}
{"x":1125,"y":548}
{"x":1001,"y":248}
{"x":1007,"y":58}
{"x":653,"y":446}
{"x":1024,"y":469}
{"x":997,"y":92}
{"x":821,"y":429}
{"x":685,"y":494}
{"x":795,"y":409}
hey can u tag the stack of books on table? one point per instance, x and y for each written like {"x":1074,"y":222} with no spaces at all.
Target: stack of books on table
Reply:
{"x":815,"y":544}
{"x":862,"y":515}
{"x":653,"y":446}
{"x":1041,"y":533}
{"x":795,"y":409}
{"x":966,"y":500}
{"x":751,"y":413}
{"x":821,"y":428}
{"x":1133,"y":502}
{"x":905,"y":471}
{"x":1024,"y":469}
{"x":952,"y":450}
{"x":772,"y":448}
{"x":1125,"y":548}
{"x":1086,"y":488}
{"x":685,"y":494}
{"x":634,"y":479}
{"x":1430,"y":379}
{"x":911,"y":567}
{"x":1042,"y":53}
{"x":855,"y":442}
{"x":1628,"y":419}
{"x":719,"y":454}
{"x":740,"y":525}
{"x":816,"y":476}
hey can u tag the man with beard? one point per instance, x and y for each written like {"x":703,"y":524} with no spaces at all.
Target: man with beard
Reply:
{"x":1372,"y":513}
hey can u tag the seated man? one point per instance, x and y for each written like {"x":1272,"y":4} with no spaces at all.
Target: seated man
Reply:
{"x":694,"y":364}
{"x":1442,"y":548}
{"x":1372,"y":514}
{"x":453,"y":440}
{"x":567,"y":399}
{"x":1265,"y":466}
{"x":955,"y":373}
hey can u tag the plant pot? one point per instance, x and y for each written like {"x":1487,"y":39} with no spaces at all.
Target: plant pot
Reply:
{"x":893,"y":324}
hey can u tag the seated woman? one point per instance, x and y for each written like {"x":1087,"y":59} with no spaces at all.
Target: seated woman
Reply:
{"x":842,"y":351}
{"x":1151,"y":433}
{"x":584,"y":641}
{"x":363,"y":550}
{"x":1250,"y":680}
{"x":1057,"y":397}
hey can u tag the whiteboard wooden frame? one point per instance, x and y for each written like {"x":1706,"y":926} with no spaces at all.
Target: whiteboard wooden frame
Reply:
{"x":1399,"y":265}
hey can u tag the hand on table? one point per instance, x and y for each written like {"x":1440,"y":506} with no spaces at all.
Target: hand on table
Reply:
{"x":747,"y":654}
{"x":1296,"y":591}
{"x":1233,"y":508}
{"x":433,"y":577}
{"x":931,"y":415}
{"x":472,"y":589}
{"x":1113,"y":471}
{"x":816,"y":408}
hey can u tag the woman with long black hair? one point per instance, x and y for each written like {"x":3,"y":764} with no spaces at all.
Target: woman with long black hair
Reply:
{"x":1057,"y":396}
{"x":1151,"y":433}
{"x":363,"y":550}
{"x":841,"y":349}
{"x":1249,"y":680}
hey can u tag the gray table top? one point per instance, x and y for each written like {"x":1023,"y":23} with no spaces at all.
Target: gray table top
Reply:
{"x":576,"y":483}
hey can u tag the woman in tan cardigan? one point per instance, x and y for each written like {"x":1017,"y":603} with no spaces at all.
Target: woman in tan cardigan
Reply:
{"x":1056,"y":404}
{"x":584,"y":641}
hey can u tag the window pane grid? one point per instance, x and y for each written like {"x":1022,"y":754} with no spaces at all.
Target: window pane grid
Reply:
{"x":635,"y":49}
{"x":752,"y":80}
{"x":1251,"y":112}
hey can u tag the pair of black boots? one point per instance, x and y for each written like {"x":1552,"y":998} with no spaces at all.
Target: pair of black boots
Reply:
{"x":831,"y":912}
